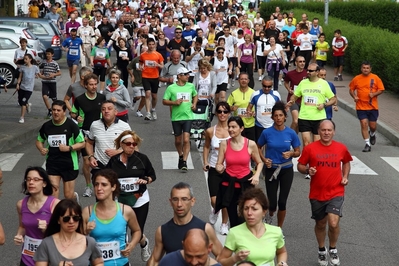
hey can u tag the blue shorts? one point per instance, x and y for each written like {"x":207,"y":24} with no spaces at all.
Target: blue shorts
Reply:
{"x":71,"y":63}
{"x":370,"y":115}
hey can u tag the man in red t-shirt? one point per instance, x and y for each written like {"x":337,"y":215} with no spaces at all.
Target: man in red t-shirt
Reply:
{"x":328,"y":164}
{"x":339,"y":45}
{"x":291,"y":81}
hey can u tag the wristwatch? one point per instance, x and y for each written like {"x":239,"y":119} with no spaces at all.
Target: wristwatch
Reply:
{"x":70,"y":148}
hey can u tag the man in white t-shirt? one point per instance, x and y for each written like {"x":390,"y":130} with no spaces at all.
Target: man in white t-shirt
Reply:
{"x":280,"y":22}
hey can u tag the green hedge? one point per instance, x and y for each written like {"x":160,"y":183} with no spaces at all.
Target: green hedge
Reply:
{"x":378,"y":46}
{"x":382,"y":14}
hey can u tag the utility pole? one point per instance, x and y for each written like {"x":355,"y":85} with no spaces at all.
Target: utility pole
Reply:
{"x":326,"y":12}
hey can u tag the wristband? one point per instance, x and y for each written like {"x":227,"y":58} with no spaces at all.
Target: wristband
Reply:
{"x":91,"y":155}
{"x":70,"y":148}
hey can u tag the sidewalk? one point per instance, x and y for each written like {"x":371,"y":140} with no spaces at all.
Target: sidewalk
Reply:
{"x":14,"y":134}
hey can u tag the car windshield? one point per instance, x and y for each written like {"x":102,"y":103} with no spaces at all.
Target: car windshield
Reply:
{"x":6,"y":43}
{"x":37,"y":28}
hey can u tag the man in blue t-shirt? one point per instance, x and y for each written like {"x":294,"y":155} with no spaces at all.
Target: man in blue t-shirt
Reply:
{"x":72,"y":46}
{"x":329,"y":109}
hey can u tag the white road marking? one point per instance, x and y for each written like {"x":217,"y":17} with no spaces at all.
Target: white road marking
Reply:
{"x":392,"y":161}
{"x":170,"y":160}
{"x":9,"y":160}
{"x":357,"y":167}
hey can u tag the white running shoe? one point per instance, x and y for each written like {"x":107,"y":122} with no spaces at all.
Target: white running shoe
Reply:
{"x":139,"y":114}
{"x":154,"y":115}
{"x":268,"y":219}
{"x":224,"y":229}
{"x":213,"y":217}
{"x":29,"y":108}
{"x":87,"y":192}
{"x":148,"y":117}
{"x":77,"y":197}
{"x":334,"y":259}
{"x":260,"y":78}
{"x":146,"y":251}
{"x":21,"y":120}
{"x":307,"y":176}
{"x":322,"y":258}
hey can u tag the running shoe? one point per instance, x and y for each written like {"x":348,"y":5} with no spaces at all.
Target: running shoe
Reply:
{"x":335,"y":78}
{"x":29,"y":108}
{"x":322,"y":259}
{"x":139,"y":114}
{"x":213,"y":217}
{"x":49,"y":114}
{"x":133,"y":103}
{"x":224,"y":229}
{"x":367,"y":148}
{"x":268,"y":219}
{"x":340,"y":77}
{"x":146,"y":251}
{"x":307,"y":176}
{"x":154,"y":115}
{"x":184,"y":167}
{"x":260,"y":78}
{"x":21,"y":120}
{"x":180,"y":163}
{"x":334,"y":259}
{"x":87,"y":192}
{"x":372,"y":139}
{"x":280,"y":83}
{"x":77,"y":197}
{"x":233,"y":83}
{"x":148,"y":117}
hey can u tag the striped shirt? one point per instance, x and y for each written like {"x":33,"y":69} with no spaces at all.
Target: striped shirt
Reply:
{"x":51,"y":67}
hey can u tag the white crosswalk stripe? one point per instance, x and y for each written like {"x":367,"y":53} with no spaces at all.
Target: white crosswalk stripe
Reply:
{"x":357,"y":167}
{"x":392,"y":161}
{"x":170,"y":160}
{"x":9,"y":160}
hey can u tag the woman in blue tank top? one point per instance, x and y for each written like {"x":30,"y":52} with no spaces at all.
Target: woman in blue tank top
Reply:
{"x":107,"y":221}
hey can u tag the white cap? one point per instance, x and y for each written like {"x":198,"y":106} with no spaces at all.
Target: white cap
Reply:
{"x":183,"y":70}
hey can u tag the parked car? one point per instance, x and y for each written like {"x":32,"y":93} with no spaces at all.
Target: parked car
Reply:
{"x":9,"y":42}
{"x":47,"y":32}
{"x":33,"y":40}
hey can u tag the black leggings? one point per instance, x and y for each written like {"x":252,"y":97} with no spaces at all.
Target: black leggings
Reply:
{"x":284,"y":179}
{"x":249,"y":69}
{"x":274,"y":73}
{"x":232,"y":209}
{"x":307,"y":55}
{"x":141,"y":215}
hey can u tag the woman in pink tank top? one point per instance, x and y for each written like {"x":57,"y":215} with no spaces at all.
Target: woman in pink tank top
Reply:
{"x":237,"y":153}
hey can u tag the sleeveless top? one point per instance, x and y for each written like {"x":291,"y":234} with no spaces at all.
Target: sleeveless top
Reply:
{"x":162,"y":50}
{"x":33,"y":235}
{"x":214,"y":152}
{"x":173,"y":234}
{"x":237,"y":162}
{"x":204,"y":87}
{"x":110,"y":236}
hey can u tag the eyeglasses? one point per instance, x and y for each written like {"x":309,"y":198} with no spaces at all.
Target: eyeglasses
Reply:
{"x":220,"y":52}
{"x":134,"y":144}
{"x":312,"y":70}
{"x":222,"y":112}
{"x":267,"y":87}
{"x":176,"y":200}
{"x":75,"y":218}
{"x":36,"y":179}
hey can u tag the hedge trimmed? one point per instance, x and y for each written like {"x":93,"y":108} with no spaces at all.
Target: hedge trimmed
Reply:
{"x":378,"y":46}
{"x":382,"y":14}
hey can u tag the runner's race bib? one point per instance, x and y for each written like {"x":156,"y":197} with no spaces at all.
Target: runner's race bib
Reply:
{"x":110,"y":250}
{"x":30,"y":246}
{"x":56,"y":140}
{"x":128,"y":184}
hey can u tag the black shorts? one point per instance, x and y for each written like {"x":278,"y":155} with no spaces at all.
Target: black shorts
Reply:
{"x":221,"y":87}
{"x":258,"y":132}
{"x":214,"y":180}
{"x":66,"y":175}
{"x":313,"y":47}
{"x":370,"y":115}
{"x":249,"y":133}
{"x":100,"y":72}
{"x":209,"y":53}
{"x":338,"y":61}
{"x":234,"y":61}
{"x":151,"y":84}
{"x":182,"y":126}
{"x":309,"y":125}
{"x":321,"y":208}
{"x":261,"y":61}
{"x":23,"y":97}
{"x":50,"y":89}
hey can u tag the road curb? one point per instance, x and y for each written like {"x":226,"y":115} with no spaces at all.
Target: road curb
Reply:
{"x":8,"y":142}
{"x":383,"y":128}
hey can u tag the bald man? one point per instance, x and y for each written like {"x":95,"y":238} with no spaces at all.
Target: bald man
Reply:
{"x":195,"y":252}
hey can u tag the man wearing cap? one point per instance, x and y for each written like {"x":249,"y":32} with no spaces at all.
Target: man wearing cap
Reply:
{"x":182,"y":97}
{"x":188,"y":33}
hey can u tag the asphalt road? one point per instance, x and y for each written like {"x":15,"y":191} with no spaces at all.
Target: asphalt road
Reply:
{"x":368,"y":228}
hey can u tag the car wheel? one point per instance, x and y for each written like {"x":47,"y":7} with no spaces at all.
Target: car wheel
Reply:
{"x":7,"y":73}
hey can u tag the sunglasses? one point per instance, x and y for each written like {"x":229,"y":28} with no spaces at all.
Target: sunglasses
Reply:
{"x":75,"y":218}
{"x":301,"y":62}
{"x":220,"y":52}
{"x":312,"y":70}
{"x":178,"y":32}
{"x":222,"y":112}
{"x":267,"y":87}
{"x":134,"y":144}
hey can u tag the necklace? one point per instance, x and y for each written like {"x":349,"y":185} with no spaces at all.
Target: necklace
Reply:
{"x":65,"y":247}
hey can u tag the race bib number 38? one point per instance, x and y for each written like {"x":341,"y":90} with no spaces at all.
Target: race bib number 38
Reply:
{"x":56,"y":140}
{"x":129,"y":184}
{"x":109,"y":250}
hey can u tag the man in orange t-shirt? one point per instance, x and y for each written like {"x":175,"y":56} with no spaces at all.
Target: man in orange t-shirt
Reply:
{"x":367,"y":86}
{"x":150,"y":63}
